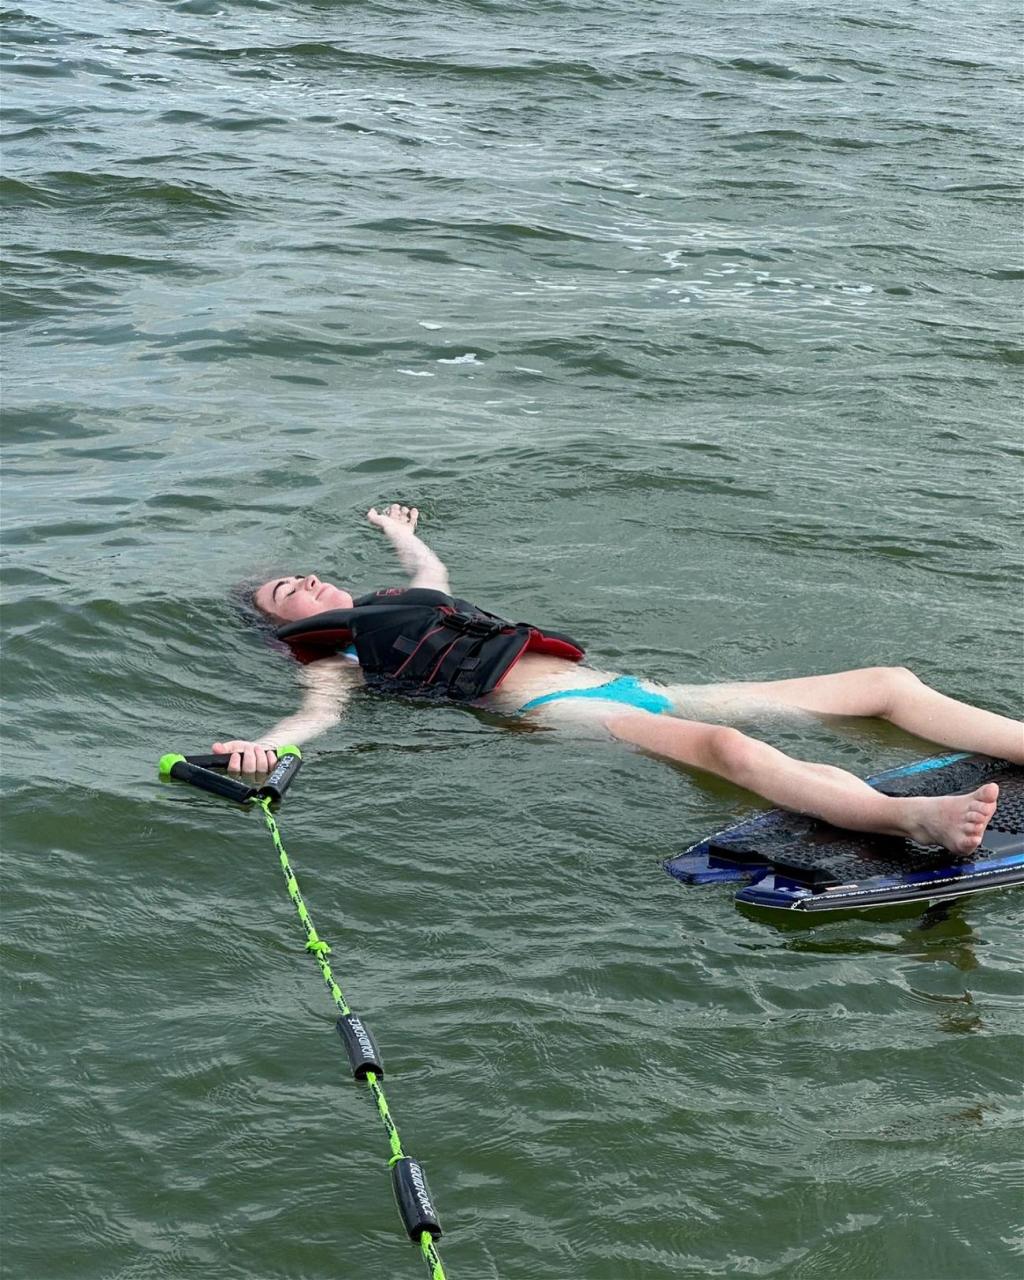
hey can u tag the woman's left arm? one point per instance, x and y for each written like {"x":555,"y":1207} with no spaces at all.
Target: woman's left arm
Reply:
{"x":399,"y":527}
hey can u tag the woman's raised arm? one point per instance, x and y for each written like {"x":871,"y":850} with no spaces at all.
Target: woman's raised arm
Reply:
{"x":399,"y":527}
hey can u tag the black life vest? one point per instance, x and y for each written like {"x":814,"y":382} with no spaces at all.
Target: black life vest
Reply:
{"x":414,"y":641}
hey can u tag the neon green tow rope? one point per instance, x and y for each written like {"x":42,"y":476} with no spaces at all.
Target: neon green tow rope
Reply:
{"x":320,"y":951}
{"x":407,"y":1176}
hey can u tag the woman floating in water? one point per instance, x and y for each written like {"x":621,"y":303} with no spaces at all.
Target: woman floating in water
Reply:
{"x":420,"y":641}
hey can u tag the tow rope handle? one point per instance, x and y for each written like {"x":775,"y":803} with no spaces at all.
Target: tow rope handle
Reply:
{"x":200,"y":771}
{"x":412,"y":1195}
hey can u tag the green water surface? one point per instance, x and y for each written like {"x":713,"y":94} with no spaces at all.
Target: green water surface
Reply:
{"x":694,"y":331}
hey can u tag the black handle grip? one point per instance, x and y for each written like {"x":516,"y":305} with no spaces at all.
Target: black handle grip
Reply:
{"x":288,"y":764}
{"x":199,"y":771}
{"x":217,"y":783}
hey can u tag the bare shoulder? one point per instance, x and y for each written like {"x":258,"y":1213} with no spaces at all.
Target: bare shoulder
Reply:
{"x":330,"y":675}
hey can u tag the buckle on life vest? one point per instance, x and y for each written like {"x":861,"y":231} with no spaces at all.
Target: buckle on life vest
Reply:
{"x":471,"y":626}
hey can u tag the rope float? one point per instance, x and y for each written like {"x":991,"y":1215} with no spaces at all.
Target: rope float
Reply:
{"x":408,"y":1181}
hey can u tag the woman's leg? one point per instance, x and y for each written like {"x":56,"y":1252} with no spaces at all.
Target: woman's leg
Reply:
{"x":956,"y":822}
{"x":897,"y":695}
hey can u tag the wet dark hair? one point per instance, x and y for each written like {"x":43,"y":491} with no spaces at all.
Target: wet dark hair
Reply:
{"x":242,"y":600}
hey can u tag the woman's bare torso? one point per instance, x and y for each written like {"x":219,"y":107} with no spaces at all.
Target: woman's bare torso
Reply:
{"x":535,"y":675}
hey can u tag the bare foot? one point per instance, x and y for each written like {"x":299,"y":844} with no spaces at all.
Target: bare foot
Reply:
{"x":956,"y":822}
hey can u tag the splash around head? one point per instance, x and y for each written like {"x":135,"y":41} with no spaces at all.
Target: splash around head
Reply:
{"x":292,"y":598}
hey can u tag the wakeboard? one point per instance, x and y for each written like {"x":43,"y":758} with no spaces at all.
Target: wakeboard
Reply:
{"x":791,"y":862}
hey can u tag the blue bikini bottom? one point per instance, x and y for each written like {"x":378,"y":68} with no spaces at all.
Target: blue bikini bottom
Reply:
{"x":625,"y":689}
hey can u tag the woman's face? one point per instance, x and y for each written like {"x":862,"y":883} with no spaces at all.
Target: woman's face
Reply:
{"x":289,"y":599}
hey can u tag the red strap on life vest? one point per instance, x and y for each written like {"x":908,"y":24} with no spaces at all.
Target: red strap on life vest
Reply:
{"x":552,"y":646}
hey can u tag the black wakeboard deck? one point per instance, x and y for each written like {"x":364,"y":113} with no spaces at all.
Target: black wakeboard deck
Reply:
{"x":795,"y":863}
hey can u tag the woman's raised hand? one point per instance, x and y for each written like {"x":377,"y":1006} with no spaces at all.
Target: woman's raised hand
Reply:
{"x":399,"y":527}
{"x":246,"y":756}
{"x":394,"y":519}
